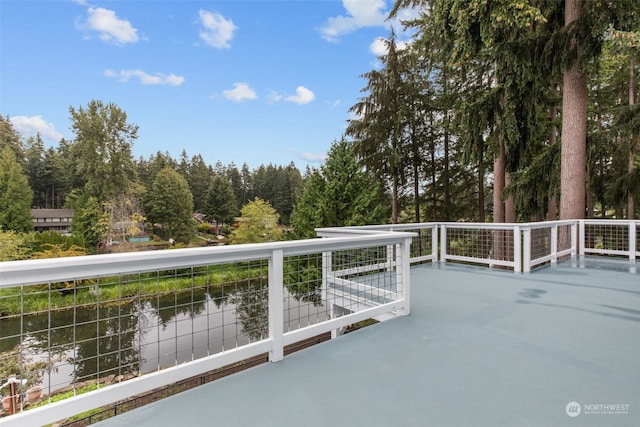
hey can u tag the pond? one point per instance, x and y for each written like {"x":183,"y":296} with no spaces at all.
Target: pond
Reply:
{"x":150,"y":334}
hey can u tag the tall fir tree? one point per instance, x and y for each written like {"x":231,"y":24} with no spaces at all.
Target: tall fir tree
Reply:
{"x":15,"y":194}
{"x":171,"y":205}
{"x":220,"y":202}
{"x":341,"y":193}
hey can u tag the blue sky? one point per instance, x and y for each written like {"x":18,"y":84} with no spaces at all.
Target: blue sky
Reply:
{"x":260,"y":82}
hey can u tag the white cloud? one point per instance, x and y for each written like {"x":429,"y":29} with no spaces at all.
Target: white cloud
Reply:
{"x":111,"y":28}
{"x":240,"y":92}
{"x":379,"y":46}
{"x":360,"y":14}
{"x":218,"y":31}
{"x":146,"y":79}
{"x":30,"y":126}
{"x":302,"y":96}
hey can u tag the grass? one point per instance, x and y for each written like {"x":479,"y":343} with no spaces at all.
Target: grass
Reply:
{"x":116,"y":290}
{"x":71,"y":393}
{"x":67,"y":394}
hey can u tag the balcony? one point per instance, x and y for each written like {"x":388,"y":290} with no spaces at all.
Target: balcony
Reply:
{"x":482,"y":346}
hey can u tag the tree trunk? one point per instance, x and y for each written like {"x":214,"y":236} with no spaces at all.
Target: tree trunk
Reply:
{"x":416,"y":192}
{"x":591,"y":203}
{"x":394,"y":201}
{"x":552,"y":213}
{"x":574,"y":127}
{"x":498,"y":184}
{"x":631,"y":206}
{"x":416,"y":174}
{"x":481,"y":214}
{"x":499,"y":165}
{"x":432,"y":154}
{"x":510,"y":203}
{"x":445,"y":174}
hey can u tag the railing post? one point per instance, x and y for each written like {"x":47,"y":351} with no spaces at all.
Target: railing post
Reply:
{"x":276,"y":295}
{"x":443,"y":243}
{"x":577,"y":244}
{"x":526,"y":244}
{"x":403,"y":273}
{"x":632,"y":241}
{"x":554,"y":243}
{"x":326,"y":271}
{"x":390,"y":257}
{"x":517,"y":249}
{"x":434,"y":243}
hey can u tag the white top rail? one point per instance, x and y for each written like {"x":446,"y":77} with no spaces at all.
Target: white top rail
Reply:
{"x":28,"y":272}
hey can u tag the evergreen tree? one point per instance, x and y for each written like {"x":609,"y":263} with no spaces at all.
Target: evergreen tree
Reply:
{"x":10,"y":138}
{"x":61,"y":169}
{"x":279,"y":186}
{"x":15,"y":194}
{"x":378,"y":131}
{"x":148,"y":169}
{"x":35,"y":170}
{"x":235,"y":178}
{"x":199,"y":176}
{"x":220,"y":202}
{"x":91,"y":220}
{"x":247,"y":185}
{"x":342,"y":193}
{"x":171,"y":205}
{"x":307,"y":212}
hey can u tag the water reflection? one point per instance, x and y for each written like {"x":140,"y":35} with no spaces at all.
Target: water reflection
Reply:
{"x":144,"y":335}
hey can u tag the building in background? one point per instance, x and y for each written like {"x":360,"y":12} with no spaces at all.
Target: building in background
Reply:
{"x":52,"y":220}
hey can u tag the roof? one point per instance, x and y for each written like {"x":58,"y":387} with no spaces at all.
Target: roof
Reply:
{"x":52,"y":213}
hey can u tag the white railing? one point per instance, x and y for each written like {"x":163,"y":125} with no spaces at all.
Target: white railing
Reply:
{"x":517,"y":246}
{"x":611,"y":237}
{"x":479,"y":243}
{"x":548,"y":242}
{"x":281,"y":267}
{"x":424,"y":244}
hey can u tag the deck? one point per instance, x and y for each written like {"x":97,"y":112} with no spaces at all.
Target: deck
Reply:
{"x":481,"y":347}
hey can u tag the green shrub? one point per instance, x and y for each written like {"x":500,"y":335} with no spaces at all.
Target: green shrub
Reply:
{"x":206,"y":228}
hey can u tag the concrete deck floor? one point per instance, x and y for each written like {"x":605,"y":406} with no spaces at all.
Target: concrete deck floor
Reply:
{"x":481,"y":348}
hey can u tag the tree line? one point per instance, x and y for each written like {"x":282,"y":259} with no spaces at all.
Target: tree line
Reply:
{"x":97,"y":175}
{"x":112,"y":193}
{"x":515,"y":110}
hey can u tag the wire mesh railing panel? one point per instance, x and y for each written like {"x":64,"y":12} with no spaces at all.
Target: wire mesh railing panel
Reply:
{"x":481,"y":245}
{"x":362,"y":278}
{"x":606,"y":238}
{"x":421,"y":245}
{"x":540,"y":242}
{"x":302,"y":301}
{"x":564,"y":236}
{"x":107,"y":329}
